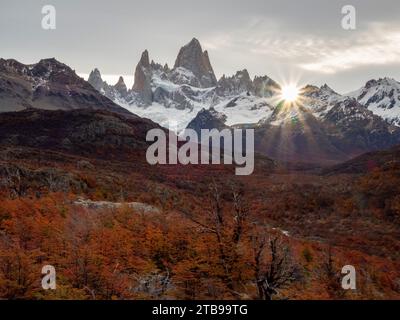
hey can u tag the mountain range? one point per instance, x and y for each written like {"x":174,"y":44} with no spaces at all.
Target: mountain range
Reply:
{"x":50,"y":85}
{"x":180,"y":93}
{"x":323,"y":126}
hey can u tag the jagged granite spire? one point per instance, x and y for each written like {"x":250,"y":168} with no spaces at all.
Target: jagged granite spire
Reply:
{"x":144,"y":59}
{"x":236,"y":84}
{"x":120,"y":86}
{"x":95,"y":79}
{"x":192,"y":58}
{"x":142,"y":84}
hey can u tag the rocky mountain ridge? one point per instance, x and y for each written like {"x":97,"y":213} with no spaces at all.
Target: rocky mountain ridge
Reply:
{"x":50,"y":85}
{"x":382,"y":97}
{"x":187,"y":88}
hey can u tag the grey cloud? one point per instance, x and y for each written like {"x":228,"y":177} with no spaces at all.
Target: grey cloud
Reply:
{"x":268,"y":37}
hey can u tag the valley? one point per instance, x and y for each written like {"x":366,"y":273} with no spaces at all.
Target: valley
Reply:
{"x":170,"y":251}
{"x":77,"y":192}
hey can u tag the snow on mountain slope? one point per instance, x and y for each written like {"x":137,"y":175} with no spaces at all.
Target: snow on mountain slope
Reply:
{"x":177,"y":95}
{"x":382,"y":97}
{"x":164,"y":95}
{"x":320,"y":100}
{"x":244,"y":108}
{"x":171,"y":102}
{"x":238,"y":110}
{"x":166,"y":117}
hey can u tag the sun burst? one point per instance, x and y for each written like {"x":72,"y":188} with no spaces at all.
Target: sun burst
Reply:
{"x":290,"y":93}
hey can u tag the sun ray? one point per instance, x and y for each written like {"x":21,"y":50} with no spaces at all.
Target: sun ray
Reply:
{"x":290,"y":93}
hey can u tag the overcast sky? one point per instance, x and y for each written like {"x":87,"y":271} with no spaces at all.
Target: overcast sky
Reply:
{"x":288,"y":40}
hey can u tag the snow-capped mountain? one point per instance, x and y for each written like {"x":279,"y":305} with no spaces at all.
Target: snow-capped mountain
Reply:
{"x":116,"y":93}
{"x":298,"y":133}
{"x":178,"y":94}
{"x":322,"y":126}
{"x":163,"y":94}
{"x":320,"y":100}
{"x":382,"y":97}
{"x":244,"y":108}
{"x":193,"y":67}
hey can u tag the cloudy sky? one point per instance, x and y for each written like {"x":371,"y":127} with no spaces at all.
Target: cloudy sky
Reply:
{"x":289,"y":40}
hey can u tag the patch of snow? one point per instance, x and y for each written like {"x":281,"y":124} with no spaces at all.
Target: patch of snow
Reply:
{"x":245,"y":109}
{"x":40,"y":82}
{"x":165,"y":116}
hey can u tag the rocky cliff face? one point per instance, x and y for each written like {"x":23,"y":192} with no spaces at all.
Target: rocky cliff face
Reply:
{"x":192,"y":58}
{"x":143,"y":75}
{"x":96,"y":81}
{"x":121,"y":88}
{"x":116,"y":93}
{"x":172,"y":88}
{"x":208,"y":119}
{"x":235,"y":85}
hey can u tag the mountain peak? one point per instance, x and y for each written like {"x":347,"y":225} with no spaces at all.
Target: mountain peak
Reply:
{"x":144,"y":59}
{"x":95,"y":72}
{"x":120,"y":86}
{"x":194,"y":43}
{"x":53,"y":85}
{"x":382,"y":97}
{"x":310,"y":87}
{"x":192,"y":58}
{"x":381,"y":81}
{"x":120,"y":80}
{"x":236,"y":84}
{"x":328,"y":89}
{"x":95,"y":79}
{"x":208,"y":119}
{"x":314,"y":91}
{"x":52,"y":64}
{"x":47,"y":68}
{"x":50,"y":60}
{"x":142,"y":80}
{"x":243,"y":73}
